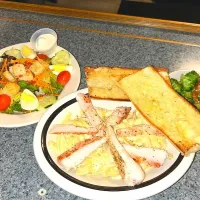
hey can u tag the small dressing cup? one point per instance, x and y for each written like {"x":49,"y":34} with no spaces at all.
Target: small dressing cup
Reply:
{"x":44,"y":41}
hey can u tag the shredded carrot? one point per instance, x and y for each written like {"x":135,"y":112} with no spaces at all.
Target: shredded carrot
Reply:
{"x":4,"y":66}
{"x":40,"y":97}
{"x":48,"y":61}
{"x":5,"y":63}
{"x":23,"y":60}
{"x":38,"y":81}
{"x":3,"y":80}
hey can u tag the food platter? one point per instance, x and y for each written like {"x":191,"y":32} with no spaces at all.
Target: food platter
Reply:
{"x":88,"y":187}
{"x":18,"y":120}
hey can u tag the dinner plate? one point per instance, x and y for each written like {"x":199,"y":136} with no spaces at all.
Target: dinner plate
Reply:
{"x":15,"y":120}
{"x":100,"y":188}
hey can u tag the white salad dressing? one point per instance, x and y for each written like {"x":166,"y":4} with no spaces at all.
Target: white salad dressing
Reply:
{"x":45,"y":42}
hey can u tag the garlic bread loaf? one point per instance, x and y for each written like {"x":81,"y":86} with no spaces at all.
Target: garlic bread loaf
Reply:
{"x":164,"y":108}
{"x":102,"y":81}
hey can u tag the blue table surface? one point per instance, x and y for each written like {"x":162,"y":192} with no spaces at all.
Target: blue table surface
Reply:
{"x":93,"y":43}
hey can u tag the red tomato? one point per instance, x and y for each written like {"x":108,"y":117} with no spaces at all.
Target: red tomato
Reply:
{"x":42,"y":56}
{"x":63,"y":77}
{"x":4,"y":101}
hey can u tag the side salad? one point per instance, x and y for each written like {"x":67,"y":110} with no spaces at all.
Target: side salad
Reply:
{"x":30,"y":81}
{"x":189,"y":87}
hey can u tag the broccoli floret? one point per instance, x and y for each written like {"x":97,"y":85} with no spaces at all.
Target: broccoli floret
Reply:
{"x":193,"y":74}
{"x":189,"y":80}
{"x":187,"y":95}
{"x":176,"y":85}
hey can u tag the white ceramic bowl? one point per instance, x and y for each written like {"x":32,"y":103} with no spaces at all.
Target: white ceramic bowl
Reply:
{"x":177,"y":74}
{"x":14,"y":120}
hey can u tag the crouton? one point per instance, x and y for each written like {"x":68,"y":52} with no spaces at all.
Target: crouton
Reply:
{"x":37,"y":68}
{"x":27,"y":77}
{"x":9,"y":76}
{"x":11,"y":89}
{"x":17,"y":70}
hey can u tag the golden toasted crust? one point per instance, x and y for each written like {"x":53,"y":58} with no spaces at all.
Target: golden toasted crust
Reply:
{"x":103,"y":81}
{"x":164,"y":108}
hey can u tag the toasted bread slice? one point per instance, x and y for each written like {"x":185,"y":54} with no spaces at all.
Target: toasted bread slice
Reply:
{"x":102,"y":81}
{"x":164,"y":108}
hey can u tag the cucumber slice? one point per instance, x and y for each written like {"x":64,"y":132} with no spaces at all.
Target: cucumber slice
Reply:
{"x":13,"y":52}
{"x":46,"y":101}
{"x":61,"y":57}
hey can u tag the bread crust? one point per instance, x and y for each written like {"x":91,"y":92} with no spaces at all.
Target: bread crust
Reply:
{"x":164,"y":108}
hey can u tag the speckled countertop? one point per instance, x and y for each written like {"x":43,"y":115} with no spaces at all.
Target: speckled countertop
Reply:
{"x":92,"y":43}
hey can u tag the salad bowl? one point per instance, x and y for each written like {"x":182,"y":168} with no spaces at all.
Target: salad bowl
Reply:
{"x":18,"y":119}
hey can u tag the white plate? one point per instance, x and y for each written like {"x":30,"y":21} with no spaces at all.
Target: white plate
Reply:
{"x":177,"y":74}
{"x":7,"y":120}
{"x":156,"y":180}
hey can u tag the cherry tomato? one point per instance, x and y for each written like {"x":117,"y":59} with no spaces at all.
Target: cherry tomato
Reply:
{"x":42,"y":56}
{"x":4,"y":101}
{"x":63,"y":77}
